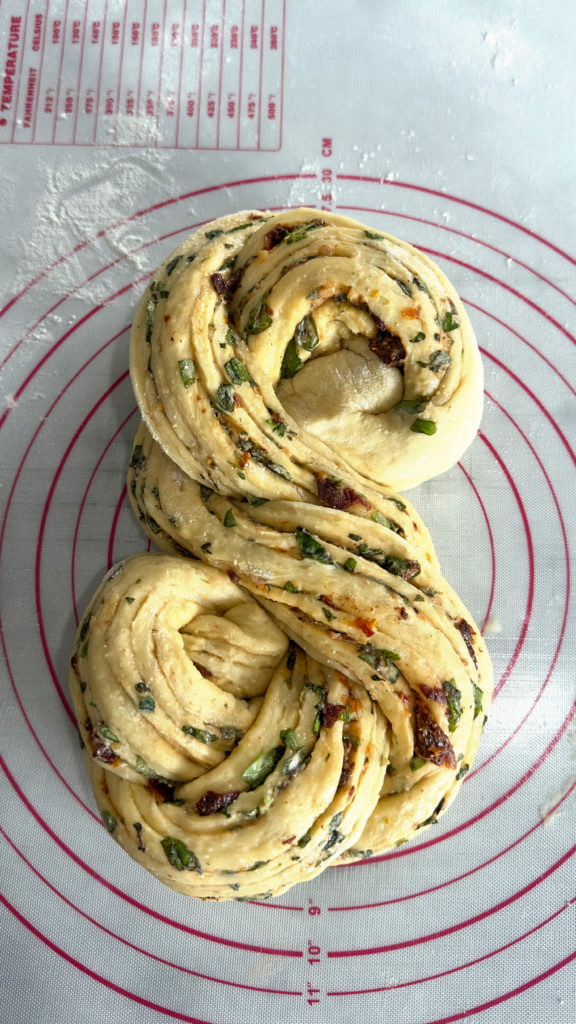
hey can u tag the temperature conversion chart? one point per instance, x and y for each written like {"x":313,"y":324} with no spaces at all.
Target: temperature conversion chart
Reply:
{"x":203,"y":74}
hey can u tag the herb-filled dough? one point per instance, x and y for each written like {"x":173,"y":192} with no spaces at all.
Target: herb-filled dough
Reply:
{"x":292,"y":682}
{"x":217,"y":753}
{"x":270,"y":347}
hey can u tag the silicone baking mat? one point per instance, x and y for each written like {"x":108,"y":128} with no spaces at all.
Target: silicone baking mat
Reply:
{"x":124,"y":126}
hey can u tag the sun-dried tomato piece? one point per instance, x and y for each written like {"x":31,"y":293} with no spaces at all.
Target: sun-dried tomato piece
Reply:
{"x":430,"y":742}
{"x":331,"y":713}
{"x":387,"y":346}
{"x":332,"y":494}
{"x":347,"y":764}
{"x":213,"y":802}
{"x":226,"y":286}
{"x":276,"y":235}
{"x":203,"y":670}
{"x":161,"y":790}
{"x":434,"y":693}
{"x":467,"y":632}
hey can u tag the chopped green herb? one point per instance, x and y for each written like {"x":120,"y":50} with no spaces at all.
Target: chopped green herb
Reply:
{"x":206,"y":549}
{"x":300,"y":231}
{"x":147,"y":704}
{"x":420,"y":285}
{"x":109,"y":820}
{"x":130,"y":600}
{"x":329,"y":615}
{"x":407,"y":569}
{"x":205,"y":492}
{"x":449,"y":323}
{"x":187,"y":369}
{"x":416,"y":763}
{"x":433,"y":819}
{"x":289,"y":586}
{"x":144,"y":769}
{"x":228,"y":732}
{"x":199,"y":734}
{"x":417,"y":337}
{"x":424,"y":427}
{"x":453,"y":696}
{"x":399,"y":504}
{"x":412,"y":405}
{"x":374,"y":235}
{"x":304,"y":840}
{"x":261,"y":767}
{"x":355,"y":536}
{"x":173,"y":263}
{"x":225,"y":398}
{"x":107,"y":733}
{"x":310,"y":547}
{"x":290,"y":739}
{"x":259,"y":319}
{"x":141,"y":687}
{"x":240,"y":227}
{"x":306,"y":334}
{"x":214,"y":233}
{"x":335,"y":837}
{"x":291,"y":361}
{"x":138,"y":458}
{"x":150,"y":307}
{"x":274,"y":467}
{"x":317,"y":723}
{"x":376,"y":656}
{"x":462,"y":771}
{"x":253,"y":500}
{"x":179,"y":856}
{"x":402,"y":286}
{"x":237,"y":372}
{"x":478,"y":695}
{"x":437,"y":360}
{"x":349,"y":565}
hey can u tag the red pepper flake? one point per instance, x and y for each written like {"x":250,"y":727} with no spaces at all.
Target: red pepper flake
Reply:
{"x":403,"y":613}
{"x":290,"y":839}
{"x":233,"y":576}
{"x":430,"y":742}
{"x":326,"y":599}
{"x":237,"y":400}
{"x":213,"y":802}
{"x":331,"y":713}
{"x":332,"y":494}
{"x":467,"y":632}
{"x":244,"y":459}
{"x":368,"y":626}
{"x":166,"y":318}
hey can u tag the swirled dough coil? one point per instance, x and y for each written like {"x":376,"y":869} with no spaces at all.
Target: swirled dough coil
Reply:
{"x":302,"y":342}
{"x":292,"y":683}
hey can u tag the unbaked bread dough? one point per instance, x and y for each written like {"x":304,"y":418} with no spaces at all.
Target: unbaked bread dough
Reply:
{"x":291,"y":683}
{"x":351,"y":339}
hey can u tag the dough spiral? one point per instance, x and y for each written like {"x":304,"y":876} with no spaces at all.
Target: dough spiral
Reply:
{"x":300,"y":343}
{"x":292,"y":682}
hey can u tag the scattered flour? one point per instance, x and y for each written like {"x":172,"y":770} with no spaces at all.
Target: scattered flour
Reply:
{"x":90,"y":204}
